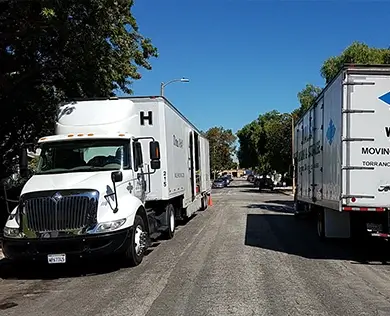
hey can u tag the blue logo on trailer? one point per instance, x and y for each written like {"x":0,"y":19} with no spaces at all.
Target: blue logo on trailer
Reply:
{"x":330,"y":132}
{"x":385,"y":98}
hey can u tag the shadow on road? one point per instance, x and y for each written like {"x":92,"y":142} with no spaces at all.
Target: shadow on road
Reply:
{"x":288,"y":203}
{"x":284,"y":233}
{"x":272,"y":207}
{"x":79,"y":268}
{"x":256,"y":190}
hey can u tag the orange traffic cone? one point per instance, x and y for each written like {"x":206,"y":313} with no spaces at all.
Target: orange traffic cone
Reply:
{"x":210,"y":201}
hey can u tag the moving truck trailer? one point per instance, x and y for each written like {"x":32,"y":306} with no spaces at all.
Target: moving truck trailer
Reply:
{"x":117,"y":173}
{"x":342,"y":155}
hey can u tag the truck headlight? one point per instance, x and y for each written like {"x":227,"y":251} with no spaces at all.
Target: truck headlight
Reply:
{"x":12,"y":232}
{"x":110,"y":226}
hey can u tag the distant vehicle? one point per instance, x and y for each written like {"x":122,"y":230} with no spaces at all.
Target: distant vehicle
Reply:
{"x":264,"y":182}
{"x":219,"y":183}
{"x":226,"y":181}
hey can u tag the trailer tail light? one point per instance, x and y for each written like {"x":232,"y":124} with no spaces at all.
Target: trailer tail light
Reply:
{"x":353,"y":199}
{"x":80,"y":134}
{"x":90,"y":134}
{"x":70,"y":135}
{"x":121,"y":134}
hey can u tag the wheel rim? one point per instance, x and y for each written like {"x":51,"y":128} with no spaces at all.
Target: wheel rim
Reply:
{"x":137,"y":239}
{"x":172,"y":221}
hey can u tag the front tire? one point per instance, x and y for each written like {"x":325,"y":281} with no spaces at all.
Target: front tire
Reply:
{"x":138,"y":242}
{"x":171,"y":221}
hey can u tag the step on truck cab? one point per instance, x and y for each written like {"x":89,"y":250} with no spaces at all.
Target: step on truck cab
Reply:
{"x":342,"y":155}
{"x":118,"y":173}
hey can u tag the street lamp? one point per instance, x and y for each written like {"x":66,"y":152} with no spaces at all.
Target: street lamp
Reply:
{"x":163,"y":85}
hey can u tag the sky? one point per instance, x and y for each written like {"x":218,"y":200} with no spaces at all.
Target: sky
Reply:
{"x":247,"y":57}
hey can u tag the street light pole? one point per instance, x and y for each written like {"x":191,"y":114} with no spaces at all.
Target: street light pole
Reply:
{"x":163,"y":85}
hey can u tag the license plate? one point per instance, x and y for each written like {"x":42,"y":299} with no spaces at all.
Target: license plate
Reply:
{"x":58,"y":258}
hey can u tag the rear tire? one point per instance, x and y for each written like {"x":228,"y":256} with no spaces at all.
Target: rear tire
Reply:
{"x":137,"y":244}
{"x":204,"y":202}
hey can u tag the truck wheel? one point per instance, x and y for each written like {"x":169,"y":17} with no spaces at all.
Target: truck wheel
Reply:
{"x":138,"y":242}
{"x":171,"y":221}
{"x":321,"y":224}
{"x":204,"y":202}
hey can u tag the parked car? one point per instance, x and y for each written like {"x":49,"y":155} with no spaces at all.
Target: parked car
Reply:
{"x":265,"y":183}
{"x":226,"y":180}
{"x":218,"y":183}
{"x":250,"y":178}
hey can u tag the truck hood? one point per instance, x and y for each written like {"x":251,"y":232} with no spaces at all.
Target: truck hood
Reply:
{"x":77,"y":180}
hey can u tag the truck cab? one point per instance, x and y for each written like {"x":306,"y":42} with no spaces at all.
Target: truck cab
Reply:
{"x":103,"y":184}
{"x":86,"y":198}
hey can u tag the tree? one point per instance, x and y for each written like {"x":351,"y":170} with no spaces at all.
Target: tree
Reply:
{"x":306,"y":97}
{"x":51,"y":51}
{"x":248,"y":138}
{"x":222,"y":147}
{"x":265,"y":144}
{"x":356,"y":53}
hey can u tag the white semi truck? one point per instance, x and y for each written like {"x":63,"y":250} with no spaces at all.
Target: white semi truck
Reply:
{"x":117,"y":173}
{"x":342,"y":155}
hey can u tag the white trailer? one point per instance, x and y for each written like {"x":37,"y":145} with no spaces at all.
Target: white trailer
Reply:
{"x":117,"y":173}
{"x":342,"y":155}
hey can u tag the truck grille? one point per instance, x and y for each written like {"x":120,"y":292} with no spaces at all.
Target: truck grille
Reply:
{"x":61,"y":212}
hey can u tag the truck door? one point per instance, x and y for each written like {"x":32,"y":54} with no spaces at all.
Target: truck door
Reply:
{"x":139,"y":180}
{"x":191,"y":160}
{"x":366,"y":163}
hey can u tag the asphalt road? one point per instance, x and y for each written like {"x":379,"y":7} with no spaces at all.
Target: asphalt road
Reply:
{"x":246,"y":255}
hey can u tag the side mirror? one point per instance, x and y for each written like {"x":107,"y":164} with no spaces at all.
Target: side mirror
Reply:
{"x":116,"y":176}
{"x":23,"y":163}
{"x":154,"y":148}
{"x":155,"y":164}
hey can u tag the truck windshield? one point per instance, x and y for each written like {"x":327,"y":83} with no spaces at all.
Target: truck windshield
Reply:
{"x":84,"y":156}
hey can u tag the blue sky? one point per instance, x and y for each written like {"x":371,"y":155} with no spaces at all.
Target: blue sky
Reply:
{"x":246,"y":57}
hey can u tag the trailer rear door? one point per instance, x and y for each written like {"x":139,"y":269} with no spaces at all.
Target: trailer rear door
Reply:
{"x":366,"y":141}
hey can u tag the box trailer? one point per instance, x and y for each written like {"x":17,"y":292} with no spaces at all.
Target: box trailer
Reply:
{"x":342,"y":155}
{"x":117,"y":173}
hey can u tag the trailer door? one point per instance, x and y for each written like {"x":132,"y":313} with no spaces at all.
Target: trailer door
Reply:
{"x":366,"y":141}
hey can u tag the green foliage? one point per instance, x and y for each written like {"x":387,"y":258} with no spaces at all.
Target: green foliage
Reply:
{"x":265,"y":144}
{"x":248,"y":138}
{"x":306,"y":97}
{"x":222,"y":147}
{"x":356,"y":53}
{"x":51,"y":51}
